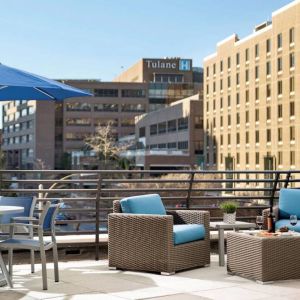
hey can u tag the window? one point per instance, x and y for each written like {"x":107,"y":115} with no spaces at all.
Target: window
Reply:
{"x":229,"y":100}
{"x":221,"y":102}
{"x":132,"y":93}
{"x":78,"y":122}
{"x":172,"y":125}
{"x":268,"y":45}
{"x":183,"y":123}
{"x":214,"y":86}
{"x":142,"y":132}
{"x":292,"y":60}
{"x":106,"y":93}
{"x":78,"y":106}
{"x":238,"y":118}
{"x":256,"y":50}
{"x":214,"y":122}
{"x":214,"y":69}
{"x":133,"y":108}
{"x":279,"y":64}
{"x":247,"y":116}
{"x":279,"y":134}
{"x":183,"y":145}
{"x":292,"y":35}
{"x":279,"y":41}
{"x":268,"y":90}
{"x":292,"y":133}
{"x":228,"y":81}
{"x":238,"y":158}
{"x":257,"y":93}
{"x":280,"y":158}
{"x":256,"y":72}
{"x":257,"y":158}
{"x":238,"y":138}
{"x":256,"y":115}
{"x":268,"y":112}
{"x":105,"y":122}
{"x":221,"y":121}
{"x":228,"y":139}
{"x":238,"y":59}
{"x":269,"y":135}
{"x":247,"y":75}
{"x":172,"y":145}
{"x":238,"y":78}
{"x":153,"y":129}
{"x":247,"y":55}
{"x":207,"y":71}
{"x":292,"y":84}
{"x":247,"y":158}
{"x":247,"y":96}
{"x":109,"y":107}
{"x":256,"y":136}
{"x":237,"y":98}
{"x":214,"y":104}
{"x":292,"y":158}
{"x":162,"y":127}
{"x":207,"y":89}
{"x":268,"y":68}
{"x":221,"y":65}
{"x":221,"y":84}
{"x":127,"y":123}
{"x":279,"y":111}
{"x":247,"y":137}
{"x":279,"y":87}
{"x":229,"y":120}
{"x":292,"y":109}
{"x":228,"y":62}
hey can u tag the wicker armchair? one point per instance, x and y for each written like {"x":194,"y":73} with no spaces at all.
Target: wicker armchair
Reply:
{"x":145,"y":242}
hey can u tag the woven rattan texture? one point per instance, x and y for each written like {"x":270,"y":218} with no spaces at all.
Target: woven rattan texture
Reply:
{"x":145,"y":242}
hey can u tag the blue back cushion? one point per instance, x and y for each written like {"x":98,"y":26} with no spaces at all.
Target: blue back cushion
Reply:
{"x":289,"y":203}
{"x":25,"y":202}
{"x":144,"y":204}
{"x":48,"y":218}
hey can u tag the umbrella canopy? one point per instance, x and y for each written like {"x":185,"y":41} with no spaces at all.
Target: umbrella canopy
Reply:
{"x":20,"y":85}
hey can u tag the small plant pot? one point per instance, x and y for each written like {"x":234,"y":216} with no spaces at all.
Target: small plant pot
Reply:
{"x":229,"y":218}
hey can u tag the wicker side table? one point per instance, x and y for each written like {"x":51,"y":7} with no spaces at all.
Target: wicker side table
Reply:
{"x":263,"y":259}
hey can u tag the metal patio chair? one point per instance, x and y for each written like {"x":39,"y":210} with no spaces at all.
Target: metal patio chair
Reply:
{"x":46,"y":222}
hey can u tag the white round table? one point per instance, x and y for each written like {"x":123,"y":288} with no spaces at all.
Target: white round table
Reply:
{"x":8,"y":210}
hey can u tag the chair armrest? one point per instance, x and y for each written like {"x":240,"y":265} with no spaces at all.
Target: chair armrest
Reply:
{"x":265,"y":213}
{"x":24,"y":219}
{"x":140,"y":230}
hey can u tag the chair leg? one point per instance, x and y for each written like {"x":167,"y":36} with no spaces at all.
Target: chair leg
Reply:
{"x":5,"y":272}
{"x":44,"y":268}
{"x":55,"y":261}
{"x":10,"y":261}
{"x":32,"y":260}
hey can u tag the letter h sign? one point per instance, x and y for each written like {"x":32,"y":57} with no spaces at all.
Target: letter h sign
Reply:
{"x":184,"y":65}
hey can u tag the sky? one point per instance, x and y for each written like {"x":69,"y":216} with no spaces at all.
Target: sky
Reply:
{"x":97,"y":39}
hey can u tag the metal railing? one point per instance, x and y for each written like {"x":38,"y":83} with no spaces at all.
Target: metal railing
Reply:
{"x":88,"y":195}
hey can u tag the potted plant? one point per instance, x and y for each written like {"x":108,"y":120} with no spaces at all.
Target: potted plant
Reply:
{"x":229,"y":211}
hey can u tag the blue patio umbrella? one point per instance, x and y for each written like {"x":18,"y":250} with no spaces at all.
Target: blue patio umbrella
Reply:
{"x":21,"y":85}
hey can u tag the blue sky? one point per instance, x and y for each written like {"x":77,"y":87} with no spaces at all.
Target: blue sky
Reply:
{"x":95,"y":39}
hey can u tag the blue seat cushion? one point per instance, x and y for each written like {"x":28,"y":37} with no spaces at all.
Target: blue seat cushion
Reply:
{"x":286,"y":222}
{"x":144,"y":204}
{"x":289,"y":203}
{"x":188,"y":233}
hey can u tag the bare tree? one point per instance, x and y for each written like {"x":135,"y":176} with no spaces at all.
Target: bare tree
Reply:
{"x":105,"y":145}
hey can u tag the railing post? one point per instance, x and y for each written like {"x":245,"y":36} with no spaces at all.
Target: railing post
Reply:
{"x":274,"y":191}
{"x":287,"y":179}
{"x":40,"y":196}
{"x":97,"y":230}
{"x":190,"y":190}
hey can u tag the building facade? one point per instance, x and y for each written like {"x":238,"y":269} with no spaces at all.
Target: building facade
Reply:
{"x":172,"y":137}
{"x":54,"y":130}
{"x":252,"y":97}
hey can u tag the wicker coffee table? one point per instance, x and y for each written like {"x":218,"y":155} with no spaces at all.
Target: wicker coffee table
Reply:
{"x":264,"y":259}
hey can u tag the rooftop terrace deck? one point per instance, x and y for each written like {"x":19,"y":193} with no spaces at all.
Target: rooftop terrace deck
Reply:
{"x":90,"y":279}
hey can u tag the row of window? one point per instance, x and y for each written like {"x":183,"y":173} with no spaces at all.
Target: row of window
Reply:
{"x":279,"y":45}
{"x":17,"y":127}
{"x":99,"y":122}
{"x":23,"y":139}
{"x":106,"y":107}
{"x":181,"y":145}
{"x":257,"y":112}
{"x":126,"y":93}
{"x":11,"y":104}
{"x":256,"y":91}
{"x":15,"y":116}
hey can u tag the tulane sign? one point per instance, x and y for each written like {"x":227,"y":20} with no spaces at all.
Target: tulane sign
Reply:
{"x":183,"y":64}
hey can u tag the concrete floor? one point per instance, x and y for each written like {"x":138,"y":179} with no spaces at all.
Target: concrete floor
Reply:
{"x":89,"y":279}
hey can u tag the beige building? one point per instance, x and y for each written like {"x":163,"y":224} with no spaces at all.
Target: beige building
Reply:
{"x":252,"y":97}
{"x":171,"y":137}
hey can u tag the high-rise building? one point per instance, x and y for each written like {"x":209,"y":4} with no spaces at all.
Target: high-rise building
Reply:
{"x":252,"y":97}
{"x":47,"y":132}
